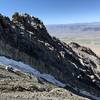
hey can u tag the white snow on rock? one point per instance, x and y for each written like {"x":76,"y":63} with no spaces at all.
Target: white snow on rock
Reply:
{"x":51,"y":78}
{"x":33,"y":23}
{"x":88,"y":94}
{"x":17,"y":65}
{"x":74,"y":65}
{"x":22,"y":27}
{"x":20,"y":66}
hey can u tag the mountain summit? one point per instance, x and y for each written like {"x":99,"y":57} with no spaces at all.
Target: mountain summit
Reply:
{"x":25,"y":39}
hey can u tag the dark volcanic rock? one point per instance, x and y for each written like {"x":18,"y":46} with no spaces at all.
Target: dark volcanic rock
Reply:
{"x":25,"y":38}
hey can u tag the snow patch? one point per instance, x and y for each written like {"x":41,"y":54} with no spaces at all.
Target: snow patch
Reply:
{"x":62,"y":53}
{"x":81,"y":62}
{"x":20,"y":66}
{"x":74,"y":65}
{"x":79,"y":76}
{"x":88,"y":94}
{"x":33,"y":23}
{"x":17,"y":65}
{"x":22,"y":33}
{"x":51,"y":78}
{"x":22,"y":27}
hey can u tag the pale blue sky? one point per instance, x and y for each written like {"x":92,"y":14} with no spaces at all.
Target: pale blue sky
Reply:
{"x":55,"y":11}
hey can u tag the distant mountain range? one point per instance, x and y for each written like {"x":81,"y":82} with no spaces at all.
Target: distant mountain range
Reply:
{"x":77,"y":29}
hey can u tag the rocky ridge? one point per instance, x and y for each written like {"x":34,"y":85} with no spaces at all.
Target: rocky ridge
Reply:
{"x":25,"y":38}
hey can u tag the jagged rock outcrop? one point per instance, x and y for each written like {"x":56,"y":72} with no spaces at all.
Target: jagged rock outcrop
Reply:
{"x":25,"y":38}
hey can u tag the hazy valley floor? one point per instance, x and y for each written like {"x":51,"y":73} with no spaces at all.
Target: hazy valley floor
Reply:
{"x":91,"y":41}
{"x":95,"y":48}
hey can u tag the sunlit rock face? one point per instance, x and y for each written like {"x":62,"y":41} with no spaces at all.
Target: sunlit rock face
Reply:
{"x":25,"y":38}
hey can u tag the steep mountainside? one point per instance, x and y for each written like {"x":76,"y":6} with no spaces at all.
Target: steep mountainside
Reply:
{"x":25,"y":39}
